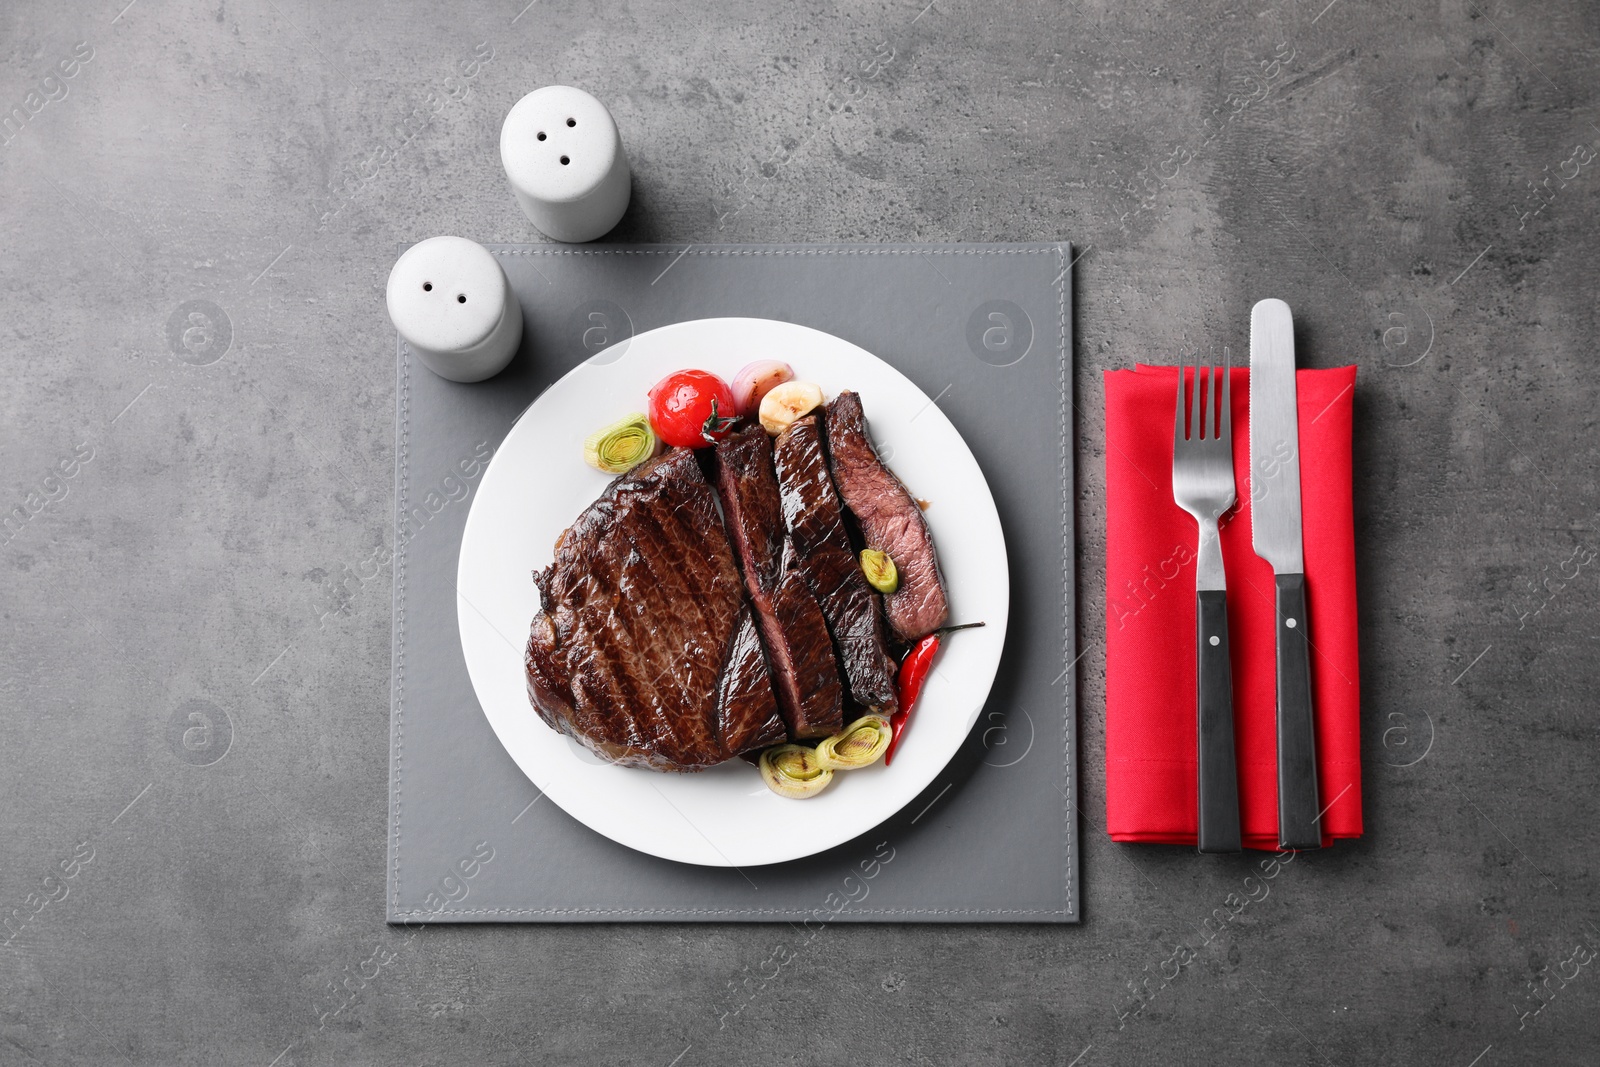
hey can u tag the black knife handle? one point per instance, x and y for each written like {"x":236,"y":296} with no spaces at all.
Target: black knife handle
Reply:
{"x":1299,"y":822}
{"x":1219,"y":777}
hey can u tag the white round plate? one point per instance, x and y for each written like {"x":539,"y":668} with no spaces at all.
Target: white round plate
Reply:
{"x":538,"y":484}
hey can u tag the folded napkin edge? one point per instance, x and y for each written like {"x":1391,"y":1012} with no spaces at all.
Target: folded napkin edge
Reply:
{"x":1254,"y":842}
{"x":1147,"y":368}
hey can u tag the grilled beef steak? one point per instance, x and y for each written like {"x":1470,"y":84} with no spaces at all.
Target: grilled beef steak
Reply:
{"x":799,"y":651}
{"x":645,"y":650}
{"x":821,"y":549}
{"x":890,"y":521}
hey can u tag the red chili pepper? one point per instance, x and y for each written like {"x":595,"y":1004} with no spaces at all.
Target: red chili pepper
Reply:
{"x":913,"y":672}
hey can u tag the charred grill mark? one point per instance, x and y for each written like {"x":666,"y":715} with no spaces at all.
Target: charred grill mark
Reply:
{"x":639,"y":650}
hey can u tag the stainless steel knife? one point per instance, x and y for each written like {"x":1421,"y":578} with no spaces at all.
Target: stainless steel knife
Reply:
{"x":1275,"y":530}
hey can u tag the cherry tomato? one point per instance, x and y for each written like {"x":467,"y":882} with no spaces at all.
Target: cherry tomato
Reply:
{"x":692,"y":408}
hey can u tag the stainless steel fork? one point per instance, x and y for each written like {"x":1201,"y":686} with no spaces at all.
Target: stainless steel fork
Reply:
{"x":1202,"y":485}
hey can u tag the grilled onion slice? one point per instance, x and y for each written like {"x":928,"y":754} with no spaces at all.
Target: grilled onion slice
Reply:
{"x":621,"y":446}
{"x":860,"y":744}
{"x":794,"y":771}
{"x":880,"y":570}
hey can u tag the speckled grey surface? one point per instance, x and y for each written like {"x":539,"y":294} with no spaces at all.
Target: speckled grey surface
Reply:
{"x":197,"y":226}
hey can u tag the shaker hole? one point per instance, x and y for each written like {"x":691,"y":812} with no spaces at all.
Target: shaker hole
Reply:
{"x":541,"y":135}
{"x":565,"y":161}
{"x":427,"y":287}
{"x":572,"y":122}
{"x":461,"y":298}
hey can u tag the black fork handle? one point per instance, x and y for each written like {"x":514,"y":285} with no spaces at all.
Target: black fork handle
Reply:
{"x":1299,"y":816}
{"x":1219,"y":778}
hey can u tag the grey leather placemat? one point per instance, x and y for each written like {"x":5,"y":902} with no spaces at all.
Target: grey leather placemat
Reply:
{"x":983,"y":329}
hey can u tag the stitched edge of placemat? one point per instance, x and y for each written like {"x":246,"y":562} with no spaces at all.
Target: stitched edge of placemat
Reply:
{"x":402,"y":481}
{"x":397,"y":726}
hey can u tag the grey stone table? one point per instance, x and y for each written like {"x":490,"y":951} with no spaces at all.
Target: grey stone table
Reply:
{"x":200,"y":205}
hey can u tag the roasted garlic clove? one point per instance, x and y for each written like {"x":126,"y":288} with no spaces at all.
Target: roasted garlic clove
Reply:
{"x":787,"y":402}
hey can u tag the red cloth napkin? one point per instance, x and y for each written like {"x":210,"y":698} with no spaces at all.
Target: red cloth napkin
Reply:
{"x":1150,"y":653}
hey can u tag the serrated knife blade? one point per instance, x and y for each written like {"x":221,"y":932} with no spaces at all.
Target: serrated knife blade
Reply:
{"x":1275,"y":529}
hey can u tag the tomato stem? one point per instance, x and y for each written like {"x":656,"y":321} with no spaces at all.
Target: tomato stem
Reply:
{"x":715,"y":425}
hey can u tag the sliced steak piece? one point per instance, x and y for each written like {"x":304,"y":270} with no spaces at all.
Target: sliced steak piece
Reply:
{"x":890,"y":521}
{"x":821,"y":548}
{"x":811,"y":657}
{"x":746,"y":716}
{"x":644,"y":649}
{"x":799,"y":651}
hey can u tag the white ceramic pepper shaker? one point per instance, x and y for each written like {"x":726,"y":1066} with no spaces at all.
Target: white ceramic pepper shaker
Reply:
{"x":564,"y":158}
{"x":453,"y":304}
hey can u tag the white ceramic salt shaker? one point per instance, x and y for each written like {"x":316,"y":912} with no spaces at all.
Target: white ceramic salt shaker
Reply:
{"x":453,"y":304}
{"x":564,"y":158}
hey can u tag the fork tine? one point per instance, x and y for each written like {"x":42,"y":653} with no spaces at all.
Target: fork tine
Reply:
{"x":1196,"y":427}
{"x":1177,"y":426}
{"x":1225,"y":420}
